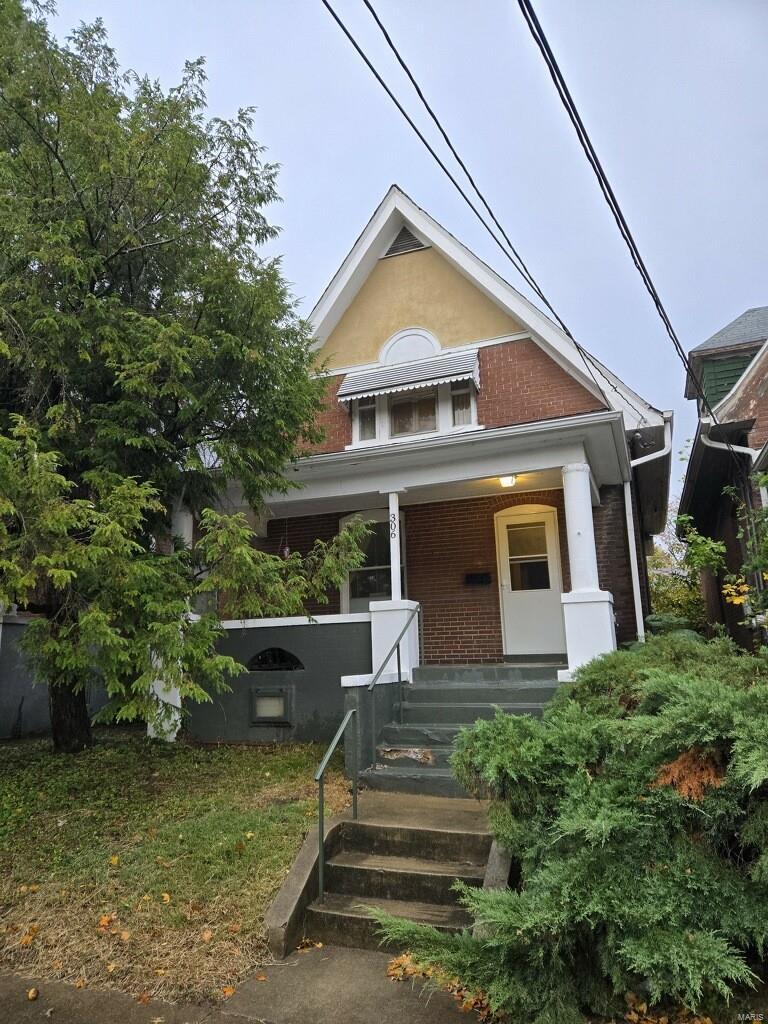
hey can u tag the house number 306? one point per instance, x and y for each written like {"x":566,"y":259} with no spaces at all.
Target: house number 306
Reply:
{"x":393,"y":526}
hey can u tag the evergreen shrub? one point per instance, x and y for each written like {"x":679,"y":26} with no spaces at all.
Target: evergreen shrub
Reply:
{"x":637,"y":809}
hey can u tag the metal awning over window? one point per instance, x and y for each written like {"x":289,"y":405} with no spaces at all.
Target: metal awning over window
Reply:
{"x":409,"y":376}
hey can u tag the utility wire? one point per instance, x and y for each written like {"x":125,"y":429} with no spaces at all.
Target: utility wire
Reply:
{"x":510,"y":253}
{"x":563,"y":91}
{"x":528,"y":276}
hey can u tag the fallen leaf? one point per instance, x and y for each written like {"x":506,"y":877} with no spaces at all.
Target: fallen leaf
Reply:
{"x":81,"y":983}
{"x":28,"y":937}
{"x":125,"y":935}
{"x":166,"y":897}
{"x":32,"y":994}
{"x":111,"y":968}
{"x":160,"y":971}
{"x":144,"y":998}
{"x":207,"y":935}
{"x":234,"y":928}
{"x":261,"y":977}
{"x":250,"y":835}
{"x":114,"y":860}
{"x":228,"y":990}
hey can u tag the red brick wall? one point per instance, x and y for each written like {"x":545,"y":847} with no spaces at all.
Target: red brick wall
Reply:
{"x":445,"y":540}
{"x":335,"y":421}
{"x":519,"y":383}
{"x":300,"y":534}
{"x":613,"y":566}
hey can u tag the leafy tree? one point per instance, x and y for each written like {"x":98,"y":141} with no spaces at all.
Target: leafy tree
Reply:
{"x":675,"y":583}
{"x":637,"y":811}
{"x":151,"y":361}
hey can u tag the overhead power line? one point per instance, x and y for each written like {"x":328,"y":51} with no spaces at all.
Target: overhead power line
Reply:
{"x":506,"y":246}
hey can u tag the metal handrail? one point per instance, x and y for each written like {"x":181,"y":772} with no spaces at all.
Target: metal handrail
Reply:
{"x":416,"y":610}
{"x":395,"y":646}
{"x":320,"y":780}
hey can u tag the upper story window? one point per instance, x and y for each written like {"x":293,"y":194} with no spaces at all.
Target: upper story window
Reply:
{"x":416,"y":414}
{"x":441,"y":409}
{"x":415,"y":390}
{"x":461,"y":403}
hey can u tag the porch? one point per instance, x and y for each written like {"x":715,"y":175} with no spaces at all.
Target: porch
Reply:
{"x":516,"y":542}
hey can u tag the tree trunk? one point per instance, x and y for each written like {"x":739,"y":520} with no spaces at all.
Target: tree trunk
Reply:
{"x":70,"y":722}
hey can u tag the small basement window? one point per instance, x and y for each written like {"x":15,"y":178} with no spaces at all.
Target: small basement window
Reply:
{"x":274,"y":659}
{"x":271,"y":706}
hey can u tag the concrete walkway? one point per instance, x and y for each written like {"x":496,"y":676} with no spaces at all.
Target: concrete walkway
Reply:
{"x":336,"y":985}
{"x":320,"y":986}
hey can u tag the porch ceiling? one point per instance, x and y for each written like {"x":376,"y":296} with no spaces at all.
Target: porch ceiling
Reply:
{"x":538,"y":480}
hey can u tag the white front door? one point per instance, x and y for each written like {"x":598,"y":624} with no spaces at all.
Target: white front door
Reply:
{"x":530,"y":581}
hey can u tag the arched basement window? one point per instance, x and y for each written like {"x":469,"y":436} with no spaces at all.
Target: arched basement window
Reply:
{"x":274,"y":659}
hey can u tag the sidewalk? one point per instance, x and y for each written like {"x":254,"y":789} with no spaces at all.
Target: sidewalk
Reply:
{"x":330,"y":985}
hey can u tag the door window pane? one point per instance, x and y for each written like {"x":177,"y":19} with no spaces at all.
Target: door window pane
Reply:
{"x":528,"y":562}
{"x":527,"y":539}
{"x":529,"y":575}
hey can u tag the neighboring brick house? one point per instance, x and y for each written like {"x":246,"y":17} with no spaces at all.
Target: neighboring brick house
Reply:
{"x":513,"y":482}
{"x":732,"y":369}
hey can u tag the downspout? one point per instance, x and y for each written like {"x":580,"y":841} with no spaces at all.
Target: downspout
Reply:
{"x":739,"y":449}
{"x":631,"y":535}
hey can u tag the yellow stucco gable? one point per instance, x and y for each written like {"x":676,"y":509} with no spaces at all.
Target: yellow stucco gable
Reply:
{"x":415,"y":289}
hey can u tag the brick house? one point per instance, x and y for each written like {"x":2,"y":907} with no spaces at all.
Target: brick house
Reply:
{"x":732,"y":368}
{"x":513,"y":481}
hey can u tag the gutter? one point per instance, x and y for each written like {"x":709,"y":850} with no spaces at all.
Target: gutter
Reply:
{"x":751,"y":453}
{"x":630,"y":516}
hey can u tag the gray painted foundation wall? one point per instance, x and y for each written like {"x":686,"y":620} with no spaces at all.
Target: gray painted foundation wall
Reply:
{"x":24,"y":702}
{"x":314,"y":693}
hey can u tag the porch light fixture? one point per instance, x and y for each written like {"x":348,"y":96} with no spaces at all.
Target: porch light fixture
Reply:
{"x":508,"y":481}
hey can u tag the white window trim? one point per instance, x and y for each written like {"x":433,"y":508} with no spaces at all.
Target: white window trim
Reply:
{"x":444,"y":419}
{"x":377,"y":515}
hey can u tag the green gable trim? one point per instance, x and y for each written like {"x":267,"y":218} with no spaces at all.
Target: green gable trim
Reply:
{"x":719,"y":375}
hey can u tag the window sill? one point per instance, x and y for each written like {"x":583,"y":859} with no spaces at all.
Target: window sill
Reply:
{"x":392,"y":442}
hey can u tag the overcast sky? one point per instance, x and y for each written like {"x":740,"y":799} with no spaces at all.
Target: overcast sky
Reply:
{"x":673,"y":93}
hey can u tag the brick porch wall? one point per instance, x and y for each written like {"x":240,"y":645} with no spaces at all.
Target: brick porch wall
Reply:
{"x":443,"y":542}
{"x":299,"y":534}
{"x":613,"y":567}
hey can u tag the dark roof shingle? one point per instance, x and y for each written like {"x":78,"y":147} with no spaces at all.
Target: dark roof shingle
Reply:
{"x":750,"y":327}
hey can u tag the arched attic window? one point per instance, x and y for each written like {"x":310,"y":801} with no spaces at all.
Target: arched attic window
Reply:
{"x":274,"y":659}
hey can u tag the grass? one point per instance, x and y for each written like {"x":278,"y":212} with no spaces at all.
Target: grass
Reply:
{"x":148,"y":867}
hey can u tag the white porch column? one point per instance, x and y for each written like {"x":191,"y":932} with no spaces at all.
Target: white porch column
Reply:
{"x":167,"y":728}
{"x":394,"y":546}
{"x":587,"y":610}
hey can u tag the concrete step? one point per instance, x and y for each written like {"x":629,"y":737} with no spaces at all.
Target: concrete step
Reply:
{"x":432,"y":781}
{"x":404,"y":756}
{"x":499,"y":673}
{"x":382,"y":876}
{"x":343,"y":920}
{"x":537,"y":691}
{"x":465,"y":713}
{"x":424,"y":734}
{"x":437,"y":844}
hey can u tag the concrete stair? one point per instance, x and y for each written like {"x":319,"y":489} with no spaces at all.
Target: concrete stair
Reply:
{"x":406,"y":871}
{"x":413,"y":752}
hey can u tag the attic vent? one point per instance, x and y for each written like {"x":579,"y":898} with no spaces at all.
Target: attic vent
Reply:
{"x":406,"y":241}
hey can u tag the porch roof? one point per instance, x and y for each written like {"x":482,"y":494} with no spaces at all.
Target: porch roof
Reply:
{"x":357,"y":478}
{"x":420,"y":373}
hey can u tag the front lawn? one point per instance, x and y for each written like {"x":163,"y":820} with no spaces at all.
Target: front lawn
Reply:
{"x":148,"y":867}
